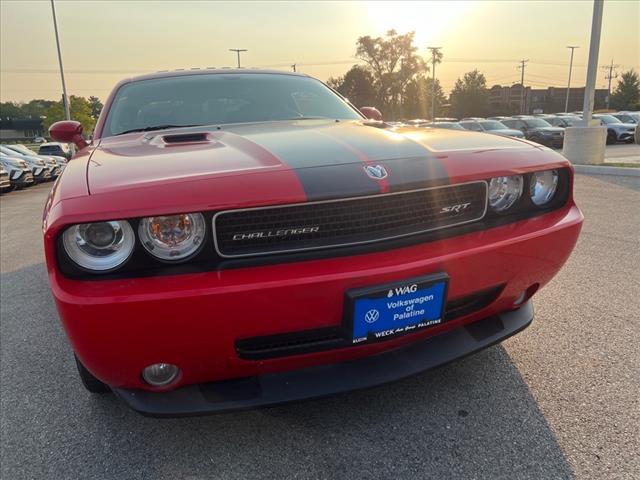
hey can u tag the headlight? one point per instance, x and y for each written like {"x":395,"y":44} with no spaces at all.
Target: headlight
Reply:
{"x":173,"y":237}
{"x":504,"y":192}
{"x":543,"y":186}
{"x":99,"y":246}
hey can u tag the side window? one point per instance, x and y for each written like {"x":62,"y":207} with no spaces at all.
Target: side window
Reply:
{"x":475,"y":127}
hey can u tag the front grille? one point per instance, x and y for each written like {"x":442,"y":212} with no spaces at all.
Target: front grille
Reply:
{"x":335,"y":223}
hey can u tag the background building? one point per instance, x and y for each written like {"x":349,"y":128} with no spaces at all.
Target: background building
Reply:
{"x":506,"y":100}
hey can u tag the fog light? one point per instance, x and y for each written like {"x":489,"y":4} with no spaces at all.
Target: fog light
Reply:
{"x":160,"y":374}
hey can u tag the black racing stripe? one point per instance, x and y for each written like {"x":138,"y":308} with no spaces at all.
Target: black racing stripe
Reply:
{"x":336,"y":181}
{"x":412,"y":173}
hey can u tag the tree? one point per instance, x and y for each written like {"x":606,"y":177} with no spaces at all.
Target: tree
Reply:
{"x":32,"y":109}
{"x":417,"y":97}
{"x":393,"y":63}
{"x":626,"y":96}
{"x":80,"y":110}
{"x":96,"y":106}
{"x":10,"y":110}
{"x":356,"y":85}
{"x":470,"y":97}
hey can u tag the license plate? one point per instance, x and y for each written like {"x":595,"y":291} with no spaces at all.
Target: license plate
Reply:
{"x":385,"y":311}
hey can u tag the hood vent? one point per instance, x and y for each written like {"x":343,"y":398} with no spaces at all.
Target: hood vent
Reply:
{"x":185,"y":138}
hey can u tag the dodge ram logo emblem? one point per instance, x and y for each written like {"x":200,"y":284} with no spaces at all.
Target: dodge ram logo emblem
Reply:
{"x":377,"y":172}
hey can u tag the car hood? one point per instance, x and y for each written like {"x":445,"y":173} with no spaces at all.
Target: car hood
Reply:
{"x":506,"y":131}
{"x":326,"y":157}
{"x":547,"y":129}
{"x":622,"y":126}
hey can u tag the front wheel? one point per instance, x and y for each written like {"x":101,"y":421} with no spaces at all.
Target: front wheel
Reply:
{"x":611,"y":137}
{"x":90,"y":382}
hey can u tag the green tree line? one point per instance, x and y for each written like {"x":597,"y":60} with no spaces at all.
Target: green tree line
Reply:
{"x":84,"y":110}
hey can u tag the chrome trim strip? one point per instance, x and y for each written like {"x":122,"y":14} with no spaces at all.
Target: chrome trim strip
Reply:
{"x":271,"y":207}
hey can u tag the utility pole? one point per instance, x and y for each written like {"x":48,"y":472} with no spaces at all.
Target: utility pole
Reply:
{"x":609,"y":76}
{"x":294,"y":67}
{"x":523,"y":62}
{"x":566,"y":103}
{"x":435,"y":58}
{"x":65,"y":98}
{"x":237,"y":50}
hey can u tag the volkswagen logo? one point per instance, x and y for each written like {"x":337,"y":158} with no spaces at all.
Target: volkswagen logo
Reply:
{"x":371,"y":316}
{"x":377,"y":172}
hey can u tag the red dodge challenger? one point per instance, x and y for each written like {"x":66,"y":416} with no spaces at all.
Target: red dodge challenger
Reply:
{"x":237,"y":238}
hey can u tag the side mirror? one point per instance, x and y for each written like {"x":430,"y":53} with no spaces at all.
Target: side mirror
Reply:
{"x":372,"y":113}
{"x":68,"y":131}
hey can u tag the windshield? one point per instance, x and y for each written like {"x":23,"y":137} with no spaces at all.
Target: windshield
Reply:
{"x":571,"y":121}
{"x":536,"y":123}
{"x":607,"y":119}
{"x":493,"y":125}
{"x":447,"y":125}
{"x":222,"y":98}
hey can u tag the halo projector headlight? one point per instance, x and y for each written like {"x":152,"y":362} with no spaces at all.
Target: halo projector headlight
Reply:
{"x":173,"y":237}
{"x":543,"y":187}
{"x":504,"y":192}
{"x":99,"y":246}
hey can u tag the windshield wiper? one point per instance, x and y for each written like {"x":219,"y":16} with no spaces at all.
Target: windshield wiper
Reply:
{"x":156,"y":127}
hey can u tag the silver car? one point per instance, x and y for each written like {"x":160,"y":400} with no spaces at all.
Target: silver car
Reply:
{"x":491,"y":126}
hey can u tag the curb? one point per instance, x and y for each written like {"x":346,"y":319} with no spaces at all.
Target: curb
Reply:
{"x":604,"y":170}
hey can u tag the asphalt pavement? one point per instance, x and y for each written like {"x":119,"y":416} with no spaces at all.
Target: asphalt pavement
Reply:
{"x":560,"y":400}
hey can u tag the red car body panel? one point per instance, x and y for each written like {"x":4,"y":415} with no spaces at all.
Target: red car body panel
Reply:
{"x":118,"y":327}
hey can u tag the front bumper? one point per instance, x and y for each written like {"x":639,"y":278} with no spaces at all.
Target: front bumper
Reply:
{"x":195,"y":320}
{"x":21,"y":178}
{"x":626,"y":136}
{"x":326,"y":380}
{"x":41,"y":174}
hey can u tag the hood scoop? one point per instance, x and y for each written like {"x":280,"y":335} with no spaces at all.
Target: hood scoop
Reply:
{"x":178,"y":138}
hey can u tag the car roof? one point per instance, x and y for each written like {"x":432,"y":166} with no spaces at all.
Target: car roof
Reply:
{"x":210,"y":71}
{"x":51,"y":144}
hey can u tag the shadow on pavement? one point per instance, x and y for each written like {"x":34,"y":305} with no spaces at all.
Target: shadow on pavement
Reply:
{"x":473,"y":419}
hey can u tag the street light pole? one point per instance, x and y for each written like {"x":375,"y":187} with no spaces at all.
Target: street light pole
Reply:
{"x":566,"y":103}
{"x":434,"y":54}
{"x":237,"y":50}
{"x":65,"y":99}
{"x":592,"y":67}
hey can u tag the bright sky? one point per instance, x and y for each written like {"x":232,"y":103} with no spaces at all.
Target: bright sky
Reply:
{"x":103,"y":42}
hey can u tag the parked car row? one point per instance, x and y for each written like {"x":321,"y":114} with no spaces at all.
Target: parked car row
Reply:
{"x":546,"y":129}
{"x":23,"y":167}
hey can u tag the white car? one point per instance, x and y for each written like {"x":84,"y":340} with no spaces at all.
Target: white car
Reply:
{"x":40,"y":171}
{"x":54,"y":164}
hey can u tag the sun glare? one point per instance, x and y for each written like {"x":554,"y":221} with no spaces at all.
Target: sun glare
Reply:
{"x":430,"y":20}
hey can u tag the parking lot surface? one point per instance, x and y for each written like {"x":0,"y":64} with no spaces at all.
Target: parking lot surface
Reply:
{"x":559,"y":400}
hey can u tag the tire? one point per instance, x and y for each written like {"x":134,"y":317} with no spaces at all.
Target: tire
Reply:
{"x":91,"y":383}
{"x":611,"y":137}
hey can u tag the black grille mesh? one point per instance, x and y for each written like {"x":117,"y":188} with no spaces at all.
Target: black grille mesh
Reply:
{"x":346,"y":222}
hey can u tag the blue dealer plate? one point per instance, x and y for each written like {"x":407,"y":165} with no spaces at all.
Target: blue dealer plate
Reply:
{"x":385,"y":311}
